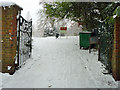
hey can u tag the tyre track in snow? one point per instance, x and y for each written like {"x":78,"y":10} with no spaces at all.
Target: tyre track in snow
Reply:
{"x":55,"y":63}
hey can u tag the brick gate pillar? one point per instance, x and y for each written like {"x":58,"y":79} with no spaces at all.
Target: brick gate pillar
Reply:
{"x":0,"y":39}
{"x":8,"y":35}
{"x":116,"y":50}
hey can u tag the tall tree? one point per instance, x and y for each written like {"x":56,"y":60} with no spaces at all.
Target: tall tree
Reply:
{"x":88,"y":13}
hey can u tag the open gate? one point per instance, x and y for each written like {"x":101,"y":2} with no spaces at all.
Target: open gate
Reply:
{"x":24,"y":40}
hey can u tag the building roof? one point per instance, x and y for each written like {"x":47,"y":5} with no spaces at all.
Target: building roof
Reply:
{"x":9,"y":4}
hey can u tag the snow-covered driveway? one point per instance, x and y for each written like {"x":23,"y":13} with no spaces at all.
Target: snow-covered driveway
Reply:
{"x":59,"y":63}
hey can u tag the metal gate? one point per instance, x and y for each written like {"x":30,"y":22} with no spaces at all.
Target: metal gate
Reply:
{"x":24,"y":40}
{"x":106,"y":44}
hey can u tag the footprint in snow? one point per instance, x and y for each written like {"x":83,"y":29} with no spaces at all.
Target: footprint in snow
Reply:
{"x":85,"y":67}
{"x":110,"y":83}
{"x":50,"y":86}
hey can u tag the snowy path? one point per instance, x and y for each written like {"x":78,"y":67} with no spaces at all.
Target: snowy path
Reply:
{"x":59,"y":63}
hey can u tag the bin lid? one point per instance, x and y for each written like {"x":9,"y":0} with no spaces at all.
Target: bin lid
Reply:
{"x":86,"y":32}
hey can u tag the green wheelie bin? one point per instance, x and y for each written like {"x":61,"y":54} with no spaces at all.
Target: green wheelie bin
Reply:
{"x":84,"y":39}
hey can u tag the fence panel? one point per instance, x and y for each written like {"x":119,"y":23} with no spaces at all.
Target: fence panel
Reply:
{"x":106,"y":44}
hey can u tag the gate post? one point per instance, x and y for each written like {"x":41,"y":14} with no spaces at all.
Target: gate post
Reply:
{"x":18,"y":39}
{"x":0,"y":39}
{"x":9,"y":35}
{"x":116,"y":50}
{"x":30,"y":37}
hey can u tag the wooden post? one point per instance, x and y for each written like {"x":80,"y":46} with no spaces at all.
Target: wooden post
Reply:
{"x":116,"y":50}
{"x":99,"y":49}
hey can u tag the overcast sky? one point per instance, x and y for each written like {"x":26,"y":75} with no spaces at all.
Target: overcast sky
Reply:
{"x":31,"y":6}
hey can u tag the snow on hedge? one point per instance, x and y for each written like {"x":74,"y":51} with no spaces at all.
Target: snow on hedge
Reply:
{"x":116,"y":12}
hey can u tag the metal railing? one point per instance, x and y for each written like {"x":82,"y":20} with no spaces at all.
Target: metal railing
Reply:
{"x":24,"y":40}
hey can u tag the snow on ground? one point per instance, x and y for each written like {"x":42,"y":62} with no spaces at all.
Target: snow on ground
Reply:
{"x":0,"y":81}
{"x":59,"y":63}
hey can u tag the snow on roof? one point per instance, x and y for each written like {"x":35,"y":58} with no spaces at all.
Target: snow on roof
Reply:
{"x":7,"y":3}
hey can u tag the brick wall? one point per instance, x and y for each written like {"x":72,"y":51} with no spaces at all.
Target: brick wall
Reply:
{"x":0,"y":39}
{"x":9,"y":37}
{"x":116,"y":50}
